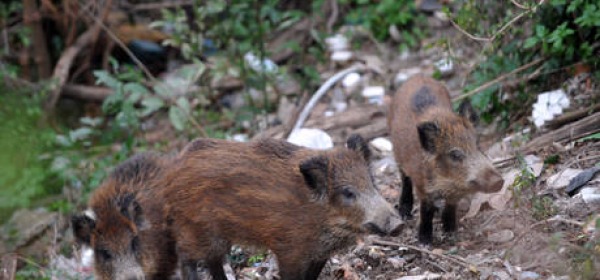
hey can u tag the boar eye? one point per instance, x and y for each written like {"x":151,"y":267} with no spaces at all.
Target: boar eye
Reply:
{"x":456,"y":155}
{"x":348,"y":195}
{"x":103,"y":255}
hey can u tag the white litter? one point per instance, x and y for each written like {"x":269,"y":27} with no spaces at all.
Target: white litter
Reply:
{"x":382,"y":144}
{"x":341,"y":56}
{"x":311,"y":138}
{"x":374,"y":94}
{"x":549,"y":105}
{"x":351,"y":80}
{"x":337,"y":42}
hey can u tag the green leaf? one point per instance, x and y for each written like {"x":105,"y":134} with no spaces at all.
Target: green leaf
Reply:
{"x":80,"y":134}
{"x":151,"y":105}
{"x":135,"y":88}
{"x":530,"y":42}
{"x":177,"y":117}
{"x":183,"y":104}
{"x":103,"y":77}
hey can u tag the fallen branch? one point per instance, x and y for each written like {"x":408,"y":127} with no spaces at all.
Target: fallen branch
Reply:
{"x":457,"y":260}
{"x":572,"y":116}
{"x":499,"y":79}
{"x":572,"y":131}
{"x":90,"y":93}
{"x":61,"y":71}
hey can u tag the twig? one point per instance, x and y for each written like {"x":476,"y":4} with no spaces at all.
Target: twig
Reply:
{"x":521,"y":6}
{"x":498,"y":79}
{"x":454,"y":259}
{"x":473,"y":37}
{"x":333,"y":17}
{"x":320,"y":92}
{"x":114,"y":37}
{"x":61,"y":71}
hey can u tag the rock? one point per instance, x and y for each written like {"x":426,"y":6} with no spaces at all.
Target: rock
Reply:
{"x":528,"y":275}
{"x":26,"y":225}
{"x":502,"y":236}
{"x":382,"y":144}
{"x":534,"y":164}
{"x":562,"y":179}
{"x":311,"y":138}
{"x":591,"y":195}
{"x":581,"y":179}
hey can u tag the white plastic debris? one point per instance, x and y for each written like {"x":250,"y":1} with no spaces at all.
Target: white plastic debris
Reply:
{"x":311,"y":138}
{"x":254,"y":62}
{"x":549,"y":104}
{"x":337,"y":42}
{"x":374,"y":94}
{"x":382,"y":144}
{"x":341,"y":56}
{"x":351,"y":80}
{"x":445,"y":66}
{"x":239,"y":137}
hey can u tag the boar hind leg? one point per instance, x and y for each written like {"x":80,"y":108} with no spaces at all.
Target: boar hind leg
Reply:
{"x":407,"y":198}
{"x":314,"y":270}
{"x":449,"y":218}
{"x":215,"y":266}
{"x":426,"y":225}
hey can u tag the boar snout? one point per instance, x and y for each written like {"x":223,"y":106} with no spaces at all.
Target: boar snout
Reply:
{"x":491,"y":181}
{"x":388,"y":222}
{"x":395,"y":225}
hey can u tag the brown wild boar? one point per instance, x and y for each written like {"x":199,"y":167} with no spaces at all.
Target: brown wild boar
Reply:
{"x":124,"y":224}
{"x":300,"y":203}
{"x":437,"y":152}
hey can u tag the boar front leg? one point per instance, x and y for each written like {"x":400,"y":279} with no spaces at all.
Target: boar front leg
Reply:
{"x":426,"y":225}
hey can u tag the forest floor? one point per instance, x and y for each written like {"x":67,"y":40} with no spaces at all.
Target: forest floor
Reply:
{"x":532,"y":229}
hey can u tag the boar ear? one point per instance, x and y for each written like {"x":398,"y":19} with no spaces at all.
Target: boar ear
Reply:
{"x":314,"y":171}
{"x":466,"y":110}
{"x":131,"y":209}
{"x":428,"y":132}
{"x":357,"y":143}
{"x":83,"y":225}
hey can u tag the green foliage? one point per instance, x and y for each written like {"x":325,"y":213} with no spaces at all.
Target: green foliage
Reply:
{"x":25,"y":142}
{"x":562,"y":31}
{"x":379,"y":16}
{"x":566,"y":30}
{"x":595,"y":136}
{"x":132,"y":100}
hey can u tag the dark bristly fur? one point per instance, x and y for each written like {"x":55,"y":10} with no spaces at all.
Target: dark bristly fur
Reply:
{"x":125,"y":227}
{"x":437,"y":152}
{"x":300,"y":203}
